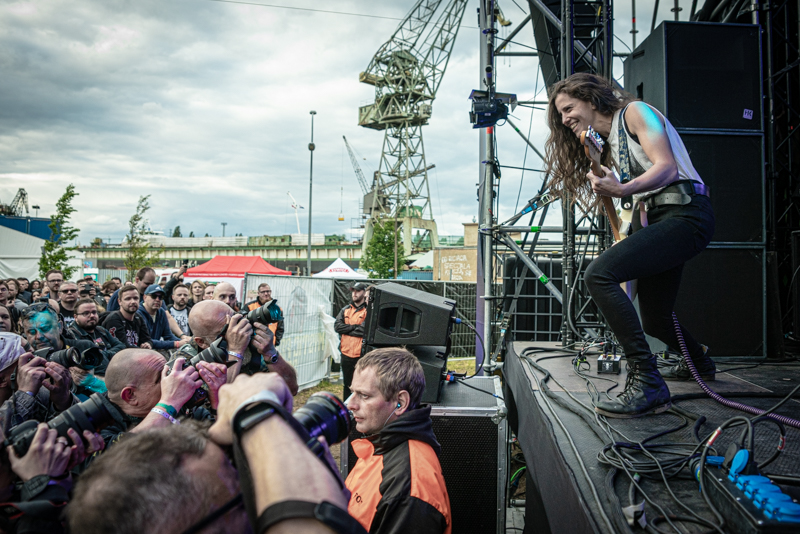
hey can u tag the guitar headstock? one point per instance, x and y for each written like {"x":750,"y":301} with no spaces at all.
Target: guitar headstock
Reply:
{"x":592,"y":144}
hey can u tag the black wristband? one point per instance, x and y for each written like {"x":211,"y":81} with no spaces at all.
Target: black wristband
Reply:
{"x":328,"y":514}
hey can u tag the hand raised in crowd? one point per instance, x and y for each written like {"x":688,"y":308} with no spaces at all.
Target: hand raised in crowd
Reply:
{"x":264,"y":340}
{"x":146,"y":345}
{"x":79,"y":452}
{"x":30,"y":373}
{"x":48,"y":455}
{"x":239,"y":333}
{"x":59,"y":385}
{"x":215,"y":375}
{"x":231,"y":396}
{"x":179,"y":385}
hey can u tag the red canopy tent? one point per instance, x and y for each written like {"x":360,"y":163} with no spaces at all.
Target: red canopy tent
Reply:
{"x":231,"y":269}
{"x":234,"y":267}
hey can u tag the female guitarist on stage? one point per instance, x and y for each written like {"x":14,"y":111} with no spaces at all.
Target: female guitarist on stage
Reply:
{"x":678,"y":224}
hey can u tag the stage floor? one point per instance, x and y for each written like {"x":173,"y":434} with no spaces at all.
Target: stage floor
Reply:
{"x":563,"y":496}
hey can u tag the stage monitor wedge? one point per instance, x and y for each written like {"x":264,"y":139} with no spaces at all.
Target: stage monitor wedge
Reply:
{"x":700,"y":75}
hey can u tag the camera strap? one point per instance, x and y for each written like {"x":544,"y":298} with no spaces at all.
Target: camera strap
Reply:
{"x":327,"y":513}
{"x":246,"y":418}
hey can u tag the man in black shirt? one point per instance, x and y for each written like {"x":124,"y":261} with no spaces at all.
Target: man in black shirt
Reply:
{"x":85,"y":327}
{"x":125,"y":324}
{"x":67,"y":298}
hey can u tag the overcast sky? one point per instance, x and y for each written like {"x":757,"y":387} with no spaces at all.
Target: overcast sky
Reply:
{"x":205,"y":106}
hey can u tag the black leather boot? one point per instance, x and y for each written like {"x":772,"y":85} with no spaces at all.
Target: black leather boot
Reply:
{"x":680,"y":372}
{"x":645,"y":393}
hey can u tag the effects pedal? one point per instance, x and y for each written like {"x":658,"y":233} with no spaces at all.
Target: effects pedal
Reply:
{"x":609,"y":364}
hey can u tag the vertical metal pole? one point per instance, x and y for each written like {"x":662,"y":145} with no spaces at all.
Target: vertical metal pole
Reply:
{"x":485,"y":182}
{"x":311,"y":148}
{"x":608,"y":39}
{"x":677,"y":9}
{"x":633,"y":22}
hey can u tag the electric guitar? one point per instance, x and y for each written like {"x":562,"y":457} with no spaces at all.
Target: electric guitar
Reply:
{"x":593,"y":146}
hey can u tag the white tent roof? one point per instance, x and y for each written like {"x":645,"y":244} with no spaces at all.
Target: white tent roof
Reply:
{"x":339,"y":269}
{"x":20,"y":253}
{"x":425,"y":261}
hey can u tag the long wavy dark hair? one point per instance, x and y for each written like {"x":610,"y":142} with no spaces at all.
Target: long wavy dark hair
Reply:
{"x":565,"y":160}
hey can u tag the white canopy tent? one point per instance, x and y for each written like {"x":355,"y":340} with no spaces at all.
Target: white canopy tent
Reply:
{"x":339,"y":269}
{"x":20,"y":253}
{"x":424,"y":262}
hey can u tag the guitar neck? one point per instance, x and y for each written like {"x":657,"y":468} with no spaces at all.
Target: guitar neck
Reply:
{"x":608,"y":205}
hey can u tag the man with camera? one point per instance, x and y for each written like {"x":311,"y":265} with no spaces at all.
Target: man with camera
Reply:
{"x":397,"y":483}
{"x":42,"y":386}
{"x":265,"y":299}
{"x":350,"y":325}
{"x":147,"y":393}
{"x":126,"y":324}
{"x":156,"y":320}
{"x":190,"y":467}
{"x":252,"y":346}
{"x":86,"y":327}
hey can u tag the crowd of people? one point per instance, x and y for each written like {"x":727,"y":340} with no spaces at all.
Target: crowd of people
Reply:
{"x":186,"y":386}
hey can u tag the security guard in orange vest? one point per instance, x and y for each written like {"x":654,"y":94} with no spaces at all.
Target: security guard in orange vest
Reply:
{"x":350,"y":325}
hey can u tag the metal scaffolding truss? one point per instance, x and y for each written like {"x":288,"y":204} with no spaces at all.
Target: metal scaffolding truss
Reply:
{"x":571,"y":36}
{"x":577,"y":36}
{"x":782,"y":85}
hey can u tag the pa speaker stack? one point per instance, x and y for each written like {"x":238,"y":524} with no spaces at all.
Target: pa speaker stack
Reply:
{"x":706,"y":79}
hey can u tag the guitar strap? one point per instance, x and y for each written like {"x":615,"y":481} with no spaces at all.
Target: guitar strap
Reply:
{"x":624,"y":166}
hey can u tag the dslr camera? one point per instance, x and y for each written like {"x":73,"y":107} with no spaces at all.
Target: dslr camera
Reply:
{"x":217,"y":352}
{"x":83,"y":354}
{"x":92,"y":415}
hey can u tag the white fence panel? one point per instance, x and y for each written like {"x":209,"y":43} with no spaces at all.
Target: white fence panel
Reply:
{"x":302,"y":299}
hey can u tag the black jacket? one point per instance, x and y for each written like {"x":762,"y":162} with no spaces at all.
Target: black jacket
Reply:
{"x":101,"y":337}
{"x":397,"y":484}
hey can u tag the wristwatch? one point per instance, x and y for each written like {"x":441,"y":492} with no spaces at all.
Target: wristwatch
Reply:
{"x":256,"y":409}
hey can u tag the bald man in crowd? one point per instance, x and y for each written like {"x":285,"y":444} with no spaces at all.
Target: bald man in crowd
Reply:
{"x":226,"y":293}
{"x":209,"y":317}
{"x":145,"y":396}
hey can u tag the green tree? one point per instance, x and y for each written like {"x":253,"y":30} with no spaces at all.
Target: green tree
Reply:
{"x":177,"y":232}
{"x":54,"y":252}
{"x":379,"y":256}
{"x":139,"y":253}
{"x":191,"y":234}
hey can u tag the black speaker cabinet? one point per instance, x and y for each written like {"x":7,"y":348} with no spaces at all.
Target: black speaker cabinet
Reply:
{"x":538,"y":316}
{"x":733,"y":166}
{"x":700,"y":75}
{"x":400,"y":315}
{"x":472,"y":428}
{"x":721,"y":301}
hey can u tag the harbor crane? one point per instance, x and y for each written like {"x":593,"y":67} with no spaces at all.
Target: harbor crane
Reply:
{"x":406,"y":73}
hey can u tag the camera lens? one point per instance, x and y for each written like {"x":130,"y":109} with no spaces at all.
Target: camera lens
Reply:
{"x":87,"y":359}
{"x":92,"y":415}
{"x":325,"y":415}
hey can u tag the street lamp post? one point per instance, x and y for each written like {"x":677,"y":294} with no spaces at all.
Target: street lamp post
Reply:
{"x":223,"y":228}
{"x":311,"y":148}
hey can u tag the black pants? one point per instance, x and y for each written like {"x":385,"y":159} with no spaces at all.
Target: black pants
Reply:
{"x":654,"y":256}
{"x":348,"y":368}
